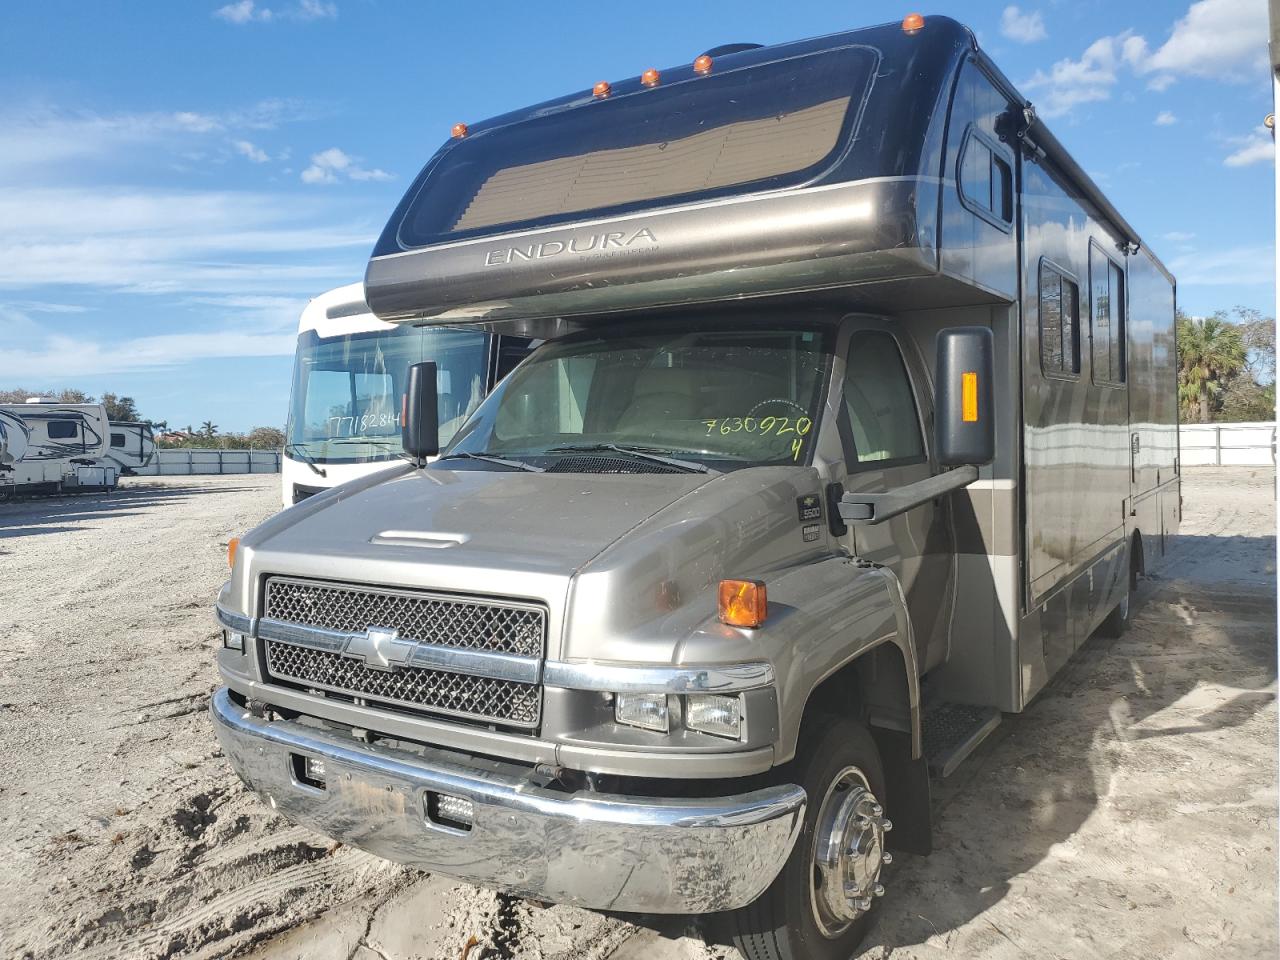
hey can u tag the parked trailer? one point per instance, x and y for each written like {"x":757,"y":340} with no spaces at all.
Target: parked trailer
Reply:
{"x":66,"y":449}
{"x":132,"y":446}
{"x":14,"y":437}
{"x":689,"y":607}
{"x":348,"y":379}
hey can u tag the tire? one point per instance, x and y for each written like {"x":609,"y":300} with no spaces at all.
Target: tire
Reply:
{"x":784,"y":923}
{"x":1117,"y":621}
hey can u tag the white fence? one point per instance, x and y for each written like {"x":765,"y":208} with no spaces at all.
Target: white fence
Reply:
{"x":1228,"y":444}
{"x":189,"y":461}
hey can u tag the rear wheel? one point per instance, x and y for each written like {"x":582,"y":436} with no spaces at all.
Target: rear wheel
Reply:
{"x":1117,"y":621}
{"x":818,"y":906}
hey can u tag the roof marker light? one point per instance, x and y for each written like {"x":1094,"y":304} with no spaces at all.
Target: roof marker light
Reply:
{"x":702,"y":64}
{"x":459,"y":131}
{"x":650,"y":77}
{"x":601,"y":89}
{"x":912,"y":23}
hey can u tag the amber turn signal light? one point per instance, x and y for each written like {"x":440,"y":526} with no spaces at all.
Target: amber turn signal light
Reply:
{"x":969,"y":397}
{"x":459,"y":131}
{"x":650,"y":77}
{"x":912,"y":23}
{"x":743,"y":603}
{"x":232,"y":546}
{"x":601,"y":89}
{"x":702,"y":64}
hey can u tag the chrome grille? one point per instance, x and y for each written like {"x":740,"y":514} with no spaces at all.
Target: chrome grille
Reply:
{"x":428,"y":618}
{"x":480,"y":698}
{"x":476,"y":624}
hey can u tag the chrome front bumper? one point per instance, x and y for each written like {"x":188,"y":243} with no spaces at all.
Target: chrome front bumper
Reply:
{"x":602,"y":851}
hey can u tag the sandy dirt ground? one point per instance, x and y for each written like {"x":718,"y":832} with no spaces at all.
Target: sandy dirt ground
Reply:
{"x":1130,"y":812}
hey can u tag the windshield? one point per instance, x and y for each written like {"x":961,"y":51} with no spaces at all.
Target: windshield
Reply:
{"x":345,"y":405}
{"x":725,"y":398}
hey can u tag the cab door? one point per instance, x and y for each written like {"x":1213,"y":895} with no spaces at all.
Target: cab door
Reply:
{"x":885,"y":406}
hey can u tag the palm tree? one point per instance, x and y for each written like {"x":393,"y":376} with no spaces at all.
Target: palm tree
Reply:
{"x":208,"y":428}
{"x":1210,"y":350}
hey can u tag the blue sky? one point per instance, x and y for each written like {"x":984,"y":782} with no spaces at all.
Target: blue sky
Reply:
{"x":176,"y":179}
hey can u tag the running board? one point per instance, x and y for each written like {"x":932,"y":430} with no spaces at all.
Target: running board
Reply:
{"x":952,"y":731}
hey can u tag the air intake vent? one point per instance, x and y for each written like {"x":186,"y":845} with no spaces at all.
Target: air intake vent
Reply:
{"x":608,"y":465}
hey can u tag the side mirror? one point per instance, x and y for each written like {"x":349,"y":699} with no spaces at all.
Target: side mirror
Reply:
{"x":420,"y":417}
{"x":964,"y":409}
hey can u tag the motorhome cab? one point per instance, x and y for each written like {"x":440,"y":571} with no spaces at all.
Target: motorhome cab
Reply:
{"x":348,"y":380}
{"x":855,"y":418}
{"x":66,"y":447}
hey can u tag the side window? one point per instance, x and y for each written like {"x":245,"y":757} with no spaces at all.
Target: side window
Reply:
{"x":63,"y":430}
{"x":117,"y":439}
{"x":879,"y":402}
{"x":1059,"y":323}
{"x":986,"y":180}
{"x":1106,"y":288}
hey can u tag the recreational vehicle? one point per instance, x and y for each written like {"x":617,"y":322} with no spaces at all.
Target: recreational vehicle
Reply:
{"x":132,"y":446}
{"x":66,"y":447}
{"x":14,"y":436}
{"x":348,"y":378}
{"x":855,"y":417}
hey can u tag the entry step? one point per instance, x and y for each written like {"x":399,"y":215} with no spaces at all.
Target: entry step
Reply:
{"x":952,"y":731}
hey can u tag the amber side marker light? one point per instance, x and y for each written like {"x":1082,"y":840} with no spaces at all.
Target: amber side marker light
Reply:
{"x":969,"y":397}
{"x":601,"y":89}
{"x":650,"y":77}
{"x":702,"y":64}
{"x":743,"y":603}
{"x":233,"y":545}
{"x":912,"y":23}
{"x":459,"y":131}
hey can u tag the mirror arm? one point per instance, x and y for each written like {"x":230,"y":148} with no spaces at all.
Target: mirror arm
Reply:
{"x":870,"y":508}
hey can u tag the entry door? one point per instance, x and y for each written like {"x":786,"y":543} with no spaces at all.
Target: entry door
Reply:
{"x":885,"y":405}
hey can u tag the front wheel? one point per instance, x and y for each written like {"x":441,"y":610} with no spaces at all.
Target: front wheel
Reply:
{"x":818,"y":906}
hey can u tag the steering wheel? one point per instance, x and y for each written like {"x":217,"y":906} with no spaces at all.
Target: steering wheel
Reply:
{"x":791,"y":403}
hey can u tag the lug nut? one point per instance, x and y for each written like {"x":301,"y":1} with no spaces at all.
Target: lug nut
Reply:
{"x":863,"y":903}
{"x":886,"y":859}
{"x":876,"y":809}
{"x":878,"y":890}
{"x":886,"y":825}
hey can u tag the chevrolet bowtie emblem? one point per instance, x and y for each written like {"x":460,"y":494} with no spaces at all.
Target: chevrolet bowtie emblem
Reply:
{"x":380,"y":648}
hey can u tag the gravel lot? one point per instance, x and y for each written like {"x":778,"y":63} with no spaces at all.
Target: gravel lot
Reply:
{"x":1130,"y":812}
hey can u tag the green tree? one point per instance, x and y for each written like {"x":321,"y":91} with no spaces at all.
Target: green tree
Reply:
{"x":265,"y":438}
{"x":121,"y":409}
{"x":1210,"y":351}
{"x":21,"y":395}
{"x":208,"y":429}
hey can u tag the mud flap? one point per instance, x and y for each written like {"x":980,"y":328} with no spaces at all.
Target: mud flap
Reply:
{"x":906,"y":782}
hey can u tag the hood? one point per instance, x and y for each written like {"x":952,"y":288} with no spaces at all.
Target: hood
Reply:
{"x":474,"y":531}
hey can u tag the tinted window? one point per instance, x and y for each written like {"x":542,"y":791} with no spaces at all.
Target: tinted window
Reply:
{"x":767,"y":125}
{"x":63,"y":430}
{"x":729,"y":397}
{"x":986,"y":179}
{"x":117,"y":439}
{"x":879,"y":401}
{"x":1106,"y":288}
{"x":1059,"y":323}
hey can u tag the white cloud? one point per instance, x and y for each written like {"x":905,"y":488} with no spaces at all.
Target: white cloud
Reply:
{"x":1217,"y":39}
{"x":1257,"y":147}
{"x":332,"y":165}
{"x":250,"y":152}
{"x":243,"y":11}
{"x":1022,"y":26}
{"x":1233,"y":266}
{"x":1179,"y":236}
{"x":185,"y":241}
{"x":1165,"y":118}
{"x":62,"y":356}
{"x":247,"y":11}
{"x":1070,"y":83}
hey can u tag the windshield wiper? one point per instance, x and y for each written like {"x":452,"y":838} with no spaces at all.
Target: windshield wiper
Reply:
{"x":642,"y":453}
{"x":490,"y":458}
{"x":305,"y":457}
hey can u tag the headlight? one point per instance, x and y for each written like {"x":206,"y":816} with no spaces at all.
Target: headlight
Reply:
{"x":645,"y":710}
{"x":714,"y":713}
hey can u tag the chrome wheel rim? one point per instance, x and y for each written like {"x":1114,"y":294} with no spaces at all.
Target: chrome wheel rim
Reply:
{"x":847,"y":853}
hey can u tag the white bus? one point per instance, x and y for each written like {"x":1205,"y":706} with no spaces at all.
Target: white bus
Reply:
{"x":348,"y":379}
